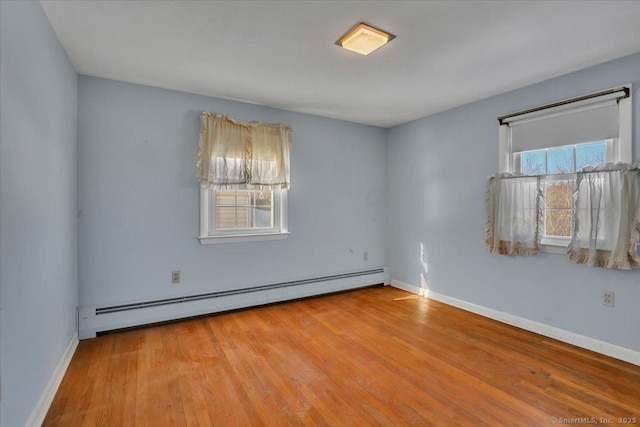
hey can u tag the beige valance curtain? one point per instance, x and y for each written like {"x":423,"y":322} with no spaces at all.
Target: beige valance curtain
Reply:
{"x":237,"y":155}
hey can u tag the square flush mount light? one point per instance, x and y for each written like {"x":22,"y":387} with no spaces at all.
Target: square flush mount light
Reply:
{"x":364,"y":39}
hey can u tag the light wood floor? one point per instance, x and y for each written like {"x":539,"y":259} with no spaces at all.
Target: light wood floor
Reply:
{"x":377,"y":356}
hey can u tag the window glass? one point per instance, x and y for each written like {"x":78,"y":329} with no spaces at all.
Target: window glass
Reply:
{"x":591,"y":154}
{"x":558,"y":205}
{"x":533,"y":162}
{"x":241,"y":209}
{"x":560,"y":160}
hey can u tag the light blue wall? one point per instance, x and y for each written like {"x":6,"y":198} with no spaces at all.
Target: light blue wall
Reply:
{"x":438,"y":168}
{"x":138,"y":197}
{"x":38,"y":221}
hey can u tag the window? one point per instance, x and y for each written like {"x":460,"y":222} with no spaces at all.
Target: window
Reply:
{"x":244,"y":176}
{"x":559,"y":165}
{"x":242,"y":215}
{"x":560,"y":139}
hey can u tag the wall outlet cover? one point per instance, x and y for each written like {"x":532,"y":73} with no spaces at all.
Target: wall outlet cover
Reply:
{"x":608,"y":298}
{"x":175,"y":276}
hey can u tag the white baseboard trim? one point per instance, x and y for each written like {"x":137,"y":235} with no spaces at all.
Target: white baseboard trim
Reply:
{"x":42,"y":407}
{"x":588,"y":343}
{"x":410,"y":288}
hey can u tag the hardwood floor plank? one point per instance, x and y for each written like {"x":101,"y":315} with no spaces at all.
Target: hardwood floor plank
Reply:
{"x":266,"y":363}
{"x":315,"y":384}
{"x":349,"y":399}
{"x":375,"y":377}
{"x":376,"y":356}
{"x":233,"y":391}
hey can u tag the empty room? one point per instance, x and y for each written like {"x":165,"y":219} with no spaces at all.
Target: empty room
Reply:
{"x":272,"y":213}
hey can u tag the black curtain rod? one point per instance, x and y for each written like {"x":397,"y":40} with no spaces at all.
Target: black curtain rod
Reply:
{"x":567,"y":101}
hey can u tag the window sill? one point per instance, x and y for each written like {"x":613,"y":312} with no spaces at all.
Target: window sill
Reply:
{"x":240,"y":238}
{"x":555,"y":245}
{"x":554,"y":249}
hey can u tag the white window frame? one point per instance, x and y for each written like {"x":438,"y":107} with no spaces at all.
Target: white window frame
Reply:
{"x":620,"y":151}
{"x":209,"y":234}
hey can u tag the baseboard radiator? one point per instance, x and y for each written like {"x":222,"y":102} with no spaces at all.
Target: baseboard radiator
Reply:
{"x":94,"y":319}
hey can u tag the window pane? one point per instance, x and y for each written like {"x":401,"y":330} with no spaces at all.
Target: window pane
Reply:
{"x":560,"y":160}
{"x":558,"y":222}
{"x":263,"y":211}
{"x":532,"y":162}
{"x":559,"y":194}
{"x":262,"y":217}
{"x":225,"y":198}
{"x":243,"y":217}
{"x":244,"y":198}
{"x":225,"y":218}
{"x":263,"y":198}
{"x":591,"y":154}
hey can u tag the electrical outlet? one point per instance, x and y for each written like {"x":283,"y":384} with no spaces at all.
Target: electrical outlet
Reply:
{"x":365,"y":256}
{"x":175,"y":276}
{"x":607,"y":298}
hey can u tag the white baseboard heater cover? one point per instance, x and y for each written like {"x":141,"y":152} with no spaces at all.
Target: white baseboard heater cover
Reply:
{"x":93,"y":319}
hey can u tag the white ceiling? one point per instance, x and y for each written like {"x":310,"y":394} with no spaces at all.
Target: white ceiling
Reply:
{"x":282,"y":53}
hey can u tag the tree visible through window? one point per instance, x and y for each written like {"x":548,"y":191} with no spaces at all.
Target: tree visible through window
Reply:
{"x":558,"y":208}
{"x":554,"y":163}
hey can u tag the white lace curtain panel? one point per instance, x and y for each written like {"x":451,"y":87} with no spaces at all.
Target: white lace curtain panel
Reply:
{"x":607,"y":217}
{"x":239,"y":155}
{"x":514,"y":205}
{"x":606,"y":230}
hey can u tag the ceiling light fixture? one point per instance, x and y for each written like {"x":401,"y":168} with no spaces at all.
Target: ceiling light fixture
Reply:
{"x":364,"y":39}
